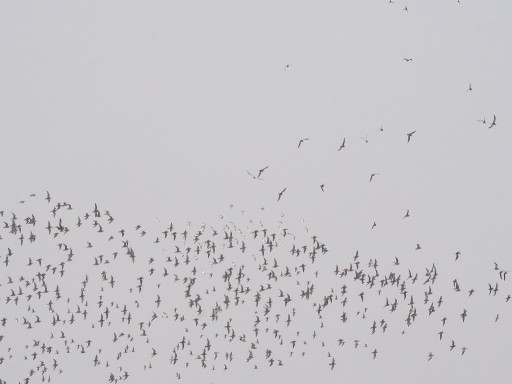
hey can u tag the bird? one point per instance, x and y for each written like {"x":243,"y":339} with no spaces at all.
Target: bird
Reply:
{"x":464,"y":314}
{"x":301,"y":141}
{"x":493,"y":122}
{"x":409,"y":135}
{"x":281,"y":194}
{"x":262,"y":170}
{"x":322,"y":186}
{"x":342,"y":145}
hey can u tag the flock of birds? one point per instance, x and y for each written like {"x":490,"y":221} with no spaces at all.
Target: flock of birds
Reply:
{"x":243,"y":283}
{"x":78,"y":284}
{"x":75,"y":283}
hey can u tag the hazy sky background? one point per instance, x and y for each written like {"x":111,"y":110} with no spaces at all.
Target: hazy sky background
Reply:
{"x":158,"y":109}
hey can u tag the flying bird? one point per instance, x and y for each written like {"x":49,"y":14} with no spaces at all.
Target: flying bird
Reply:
{"x":280,"y":194}
{"x":261,"y":171}
{"x":342,"y":145}
{"x":493,"y":122}
{"x":301,"y":141}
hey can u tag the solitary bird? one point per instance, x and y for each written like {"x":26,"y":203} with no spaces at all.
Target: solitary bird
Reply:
{"x":261,"y":171}
{"x":301,"y":141}
{"x":409,"y":135}
{"x":493,"y":122}
{"x":342,"y":145}
{"x":280,"y":194}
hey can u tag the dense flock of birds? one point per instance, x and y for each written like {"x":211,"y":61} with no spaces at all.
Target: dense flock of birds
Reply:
{"x":77,"y":283}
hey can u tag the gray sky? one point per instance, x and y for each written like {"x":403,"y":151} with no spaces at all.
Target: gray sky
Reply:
{"x":158,"y":109}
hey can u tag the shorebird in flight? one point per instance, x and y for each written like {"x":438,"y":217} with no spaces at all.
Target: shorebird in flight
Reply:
{"x":409,"y":135}
{"x":342,"y":145}
{"x":301,"y":141}
{"x":261,"y":171}
{"x":493,"y":122}
{"x":280,"y":194}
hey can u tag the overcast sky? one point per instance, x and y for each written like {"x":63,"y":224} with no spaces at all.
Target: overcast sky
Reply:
{"x":158,"y":109}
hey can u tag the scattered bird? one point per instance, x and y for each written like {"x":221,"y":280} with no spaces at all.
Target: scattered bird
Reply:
{"x":262,"y":170}
{"x":281,"y":194}
{"x":301,"y":141}
{"x":493,"y":122}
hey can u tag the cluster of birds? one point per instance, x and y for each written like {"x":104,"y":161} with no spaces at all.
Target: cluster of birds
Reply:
{"x":77,"y":283}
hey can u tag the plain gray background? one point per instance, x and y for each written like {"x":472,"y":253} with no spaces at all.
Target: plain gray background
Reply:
{"x":158,"y":109}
